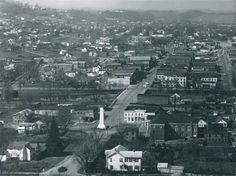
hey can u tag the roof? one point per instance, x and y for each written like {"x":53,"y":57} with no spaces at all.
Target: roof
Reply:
{"x":175,"y":117}
{"x":25,"y":112}
{"x":177,"y":167}
{"x":172,"y":72}
{"x":140,"y":58}
{"x":132,"y":154}
{"x":17,"y":145}
{"x":116,"y":149}
{"x":36,"y":145}
{"x":151,"y":108}
{"x":162,"y":165}
{"x":216,"y":129}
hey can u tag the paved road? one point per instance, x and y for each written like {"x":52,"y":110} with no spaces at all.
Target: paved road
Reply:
{"x":115,"y":117}
{"x":226,"y":64}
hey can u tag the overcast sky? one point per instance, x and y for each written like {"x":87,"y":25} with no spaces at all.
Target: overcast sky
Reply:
{"x":222,"y":5}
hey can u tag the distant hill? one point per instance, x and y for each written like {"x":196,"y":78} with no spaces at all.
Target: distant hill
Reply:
{"x":150,"y":15}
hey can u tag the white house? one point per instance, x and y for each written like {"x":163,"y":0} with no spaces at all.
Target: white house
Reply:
{"x":18,"y":150}
{"x":202,"y":123}
{"x":120,"y":159}
{"x":222,"y":122}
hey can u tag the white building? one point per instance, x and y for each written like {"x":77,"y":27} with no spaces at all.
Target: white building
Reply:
{"x":136,"y":115}
{"x":165,"y":168}
{"x":18,"y":150}
{"x":120,"y":159}
{"x":172,"y":78}
{"x":119,"y":81}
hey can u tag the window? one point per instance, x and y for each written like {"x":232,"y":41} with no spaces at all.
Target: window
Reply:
{"x":110,"y":159}
{"x":121,"y":160}
{"x":111,"y":167}
{"x":126,"y":159}
{"x":136,"y":167}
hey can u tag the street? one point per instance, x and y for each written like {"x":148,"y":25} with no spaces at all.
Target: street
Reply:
{"x":115,"y":117}
{"x":226,"y":64}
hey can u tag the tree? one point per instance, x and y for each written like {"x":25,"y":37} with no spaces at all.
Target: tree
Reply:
{"x":149,"y":162}
{"x":54,"y":143}
{"x":88,"y":149}
{"x":8,"y":93}
{"x":153,"y":62}
{"x":137,"y":76}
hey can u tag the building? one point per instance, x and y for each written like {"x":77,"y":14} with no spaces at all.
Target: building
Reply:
{"x":177,"y":125}
{"x":46,"y":112}
{"x":165,"y":168}
{"x":158,"y":132}
{"x":26,"y":128}
{"x":22,"y":116}
{"x":121,"y":159}
{"x":215,"y":134}
{"x":84,"y":113}
{"x":138,"y":113}
{"x":18,"y":150}
{"x":153,"y":98}
{"x":172,"y":78}
{"x":119,"y":82}
{"x":204,"y":80}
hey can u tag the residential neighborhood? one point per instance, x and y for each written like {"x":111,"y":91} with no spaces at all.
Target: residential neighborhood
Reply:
{"x":116,"y":91}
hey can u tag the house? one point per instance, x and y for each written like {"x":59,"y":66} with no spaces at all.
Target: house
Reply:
{"x":18,"y":150}
{"x":222,"y":121}
{"x":121,"y":159}
{"x":22,"y":116}
{"x":202,"y":124}
{"x":26,"y":128}
{"x":165,"y":168}
{"x":83,"y":113}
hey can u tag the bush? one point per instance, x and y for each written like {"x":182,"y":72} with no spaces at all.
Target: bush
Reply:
{"x":62,"y":169}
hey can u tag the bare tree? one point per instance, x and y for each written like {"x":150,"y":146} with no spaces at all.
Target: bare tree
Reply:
{"x":88,"y":150}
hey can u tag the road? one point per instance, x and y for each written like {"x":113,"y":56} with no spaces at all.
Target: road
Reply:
{"x":115,"y":117}
{"x":226,"y":64}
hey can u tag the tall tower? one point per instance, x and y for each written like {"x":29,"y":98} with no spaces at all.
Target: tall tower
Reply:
{"x":101,"y":124}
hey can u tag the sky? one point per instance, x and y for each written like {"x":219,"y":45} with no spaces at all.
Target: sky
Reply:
{"x":215,"y":5}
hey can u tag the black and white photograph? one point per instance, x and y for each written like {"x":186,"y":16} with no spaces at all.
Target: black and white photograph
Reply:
{"x":117,"y":87}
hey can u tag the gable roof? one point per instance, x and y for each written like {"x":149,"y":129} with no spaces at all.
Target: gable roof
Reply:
{"x":17,"y":145}
{"x":116,"y":149}
{"x":132,"y":154}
